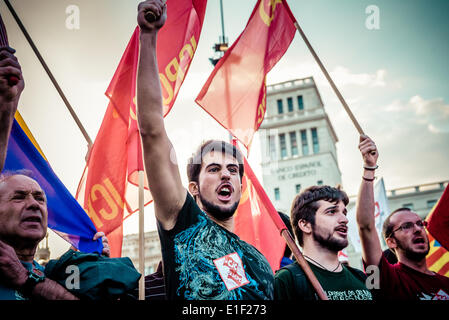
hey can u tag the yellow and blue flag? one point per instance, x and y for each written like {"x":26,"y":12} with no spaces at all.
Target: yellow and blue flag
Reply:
{"x":438,"y":258}
{"x":65,"y":216}
{"x":438,"y":227}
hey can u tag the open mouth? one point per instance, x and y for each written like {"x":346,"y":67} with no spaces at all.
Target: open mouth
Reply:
{"x":224,"y":192}
{"x":342,"y":230}
{"x":32,"y":219}
{"x":419,"y":240}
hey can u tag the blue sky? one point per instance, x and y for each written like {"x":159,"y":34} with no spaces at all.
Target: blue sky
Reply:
{"x":395,"y":79}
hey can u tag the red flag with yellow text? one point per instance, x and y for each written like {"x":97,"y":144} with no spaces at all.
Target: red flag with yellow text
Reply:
{"x":254,"y":224}
{"x":439,"y":220}
{"x":110,"y":179}
{"x":235,"y":92}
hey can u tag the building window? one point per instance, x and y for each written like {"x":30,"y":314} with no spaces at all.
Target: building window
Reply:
{"x":298,"y":188}
{"x":316,"y":146}
{"x":408,"y":205}
{"x":305,"y":146}
{"x":290,"y":104}
{"x":283,"y":145}
{"x":300,"y":103}
{"x":280,"y":106}
{"x":319,"y":182}
{"x":272,"y":147}
{"x":293,"y":143}
{"x":277,"y":194}
{"x":431,"y":203}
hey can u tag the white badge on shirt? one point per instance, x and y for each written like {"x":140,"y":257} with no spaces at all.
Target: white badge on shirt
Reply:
{"x":231,"y":271}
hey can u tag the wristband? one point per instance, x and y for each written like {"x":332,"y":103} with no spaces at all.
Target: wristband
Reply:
{"x":370,"y":168}
{"x":368,"y":179}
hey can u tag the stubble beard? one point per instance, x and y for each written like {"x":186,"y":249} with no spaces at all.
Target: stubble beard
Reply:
{"x":411,"y":254}
{"x":219,"y":213}
{"x":331,"y":243}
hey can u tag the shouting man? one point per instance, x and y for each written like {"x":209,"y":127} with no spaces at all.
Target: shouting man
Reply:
{"x":202,"y":257}
{"x":405,"y":234}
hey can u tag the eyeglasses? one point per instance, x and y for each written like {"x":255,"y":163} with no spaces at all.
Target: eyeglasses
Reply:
{"x":407,"y":226}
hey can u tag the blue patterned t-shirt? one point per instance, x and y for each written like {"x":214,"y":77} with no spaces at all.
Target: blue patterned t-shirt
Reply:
{"x":202,"y":260}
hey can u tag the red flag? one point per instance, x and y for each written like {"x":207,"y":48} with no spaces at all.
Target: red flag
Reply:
{"x":254,"y":220}
{"x":235,"y":92}
{"x":439,"y":220}
{"x":110,"y":180}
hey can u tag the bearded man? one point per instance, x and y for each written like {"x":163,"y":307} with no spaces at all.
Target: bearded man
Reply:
{"x":202,"y":257}
{"x":318,"y":218}
{"x":404,"y":233}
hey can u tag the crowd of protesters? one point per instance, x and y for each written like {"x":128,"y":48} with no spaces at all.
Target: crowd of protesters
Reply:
{"x":201,"y":256}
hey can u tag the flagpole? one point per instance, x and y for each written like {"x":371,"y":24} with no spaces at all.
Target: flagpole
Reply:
{"x":49,"y":73}
{"x":290,"y":242}
{"x":326,"y":74}
{"x":287,"y":236}
{"x":141,"y":236}
{"x":273,"y":212}
{"x":227,"y":96}
{"x":323,"y":69}
{"x":331,"y":82}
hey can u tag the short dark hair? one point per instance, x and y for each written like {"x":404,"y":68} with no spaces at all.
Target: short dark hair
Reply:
{"x":305,"y":205}
{"x":195,"y":162}
{"x":387,"y":227}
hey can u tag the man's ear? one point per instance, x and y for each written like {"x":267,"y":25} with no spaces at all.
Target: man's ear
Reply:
{"x":193,"y":188}
{"x":391,"y":243}
{"x":305,"y":226}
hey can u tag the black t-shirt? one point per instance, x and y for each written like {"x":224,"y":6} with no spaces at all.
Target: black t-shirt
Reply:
{"x":202,"y":260}
{"x":347,"y":284}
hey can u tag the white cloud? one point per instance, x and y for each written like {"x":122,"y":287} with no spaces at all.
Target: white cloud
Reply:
{"x":343,"y":77}
{"x":433,"y":113}
{"x":395,"y":106}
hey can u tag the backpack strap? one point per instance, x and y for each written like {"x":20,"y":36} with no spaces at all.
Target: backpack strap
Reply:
{"x":302,"y":286}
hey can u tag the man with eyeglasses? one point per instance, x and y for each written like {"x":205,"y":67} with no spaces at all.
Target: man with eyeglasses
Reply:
{"x":405,"y":234}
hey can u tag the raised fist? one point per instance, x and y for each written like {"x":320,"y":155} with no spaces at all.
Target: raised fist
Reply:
{"x":152,"y":15}
{"x":368,"y":150}
{"x":10,"y":67}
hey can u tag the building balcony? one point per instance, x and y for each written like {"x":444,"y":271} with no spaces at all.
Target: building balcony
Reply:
{"x":422,"y":188}
{"x":290,"y":85}
{"x":288,"y":118}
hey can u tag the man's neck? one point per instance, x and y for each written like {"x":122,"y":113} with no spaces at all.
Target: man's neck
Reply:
{"x":26,"y":255}
{"x":25,"y":252}
{"x":420,"y":266}
{"x":227,"y":224}
{"x":322,"y":257}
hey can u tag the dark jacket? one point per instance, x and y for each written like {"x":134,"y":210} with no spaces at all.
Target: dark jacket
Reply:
{"x":100,"y":277}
